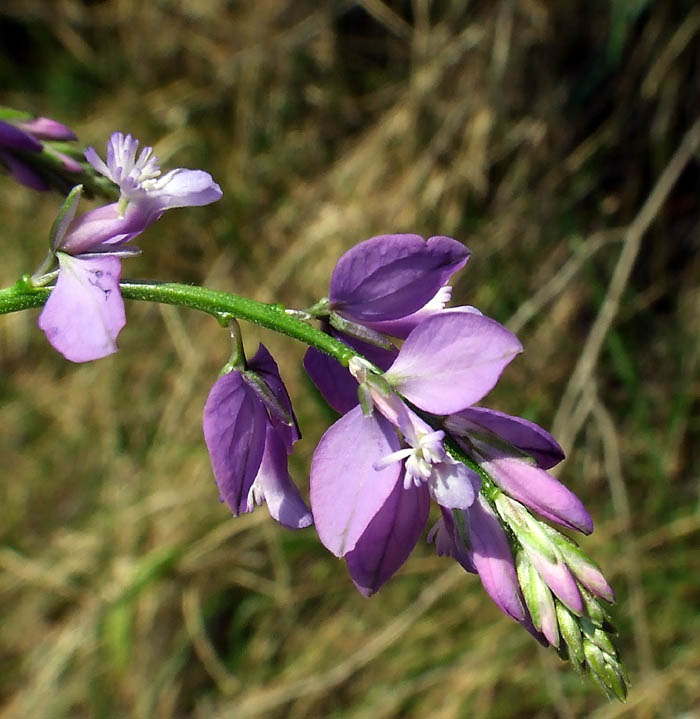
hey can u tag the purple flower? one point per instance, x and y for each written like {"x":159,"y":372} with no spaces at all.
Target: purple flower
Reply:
{"x":249,"y":428}
{"x":392,"y":276}
{"x":22,"y":139}
{"x":139,"y":178}
{"x":363,"y":465}
{"x":388,"y":285}
{"x":85,"y":311}
{"x":370,"y":492}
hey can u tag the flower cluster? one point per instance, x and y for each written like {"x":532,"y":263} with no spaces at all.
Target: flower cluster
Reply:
{"x":409,"y":434}
{"x":85,"y":311}
{"x":27,"y":149}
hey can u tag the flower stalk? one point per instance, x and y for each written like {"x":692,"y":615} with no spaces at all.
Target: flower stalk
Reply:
{"x":24,"y":296}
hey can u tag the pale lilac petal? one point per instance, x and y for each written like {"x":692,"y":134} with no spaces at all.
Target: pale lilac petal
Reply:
{"x":389,"y":538}
{"x":560,"y":580}
{"x":23,"y":173}
{"x":85,"y":311}
{"x":104,"y":225}
{"x":335,"y":383}
{"x":491,"y":555}
{"x":45,"y":128}
{"x":274,"y":485}
{"x":235,"y":426}
{"x":97,"y":162}
{"x":392,"y":276}
{"x":593,"y":579}
{"x":264,"y":365}
{"x":69,"y":164}
{"x":15,"y":139}
{"x":184,"y":188}
{"x":346,"y":489}
{"x":452,"y":360}
{"x":540,"y":491}
{"x":582,"y":567}
{"x":521,"y":433}
{"x":453,"y":485}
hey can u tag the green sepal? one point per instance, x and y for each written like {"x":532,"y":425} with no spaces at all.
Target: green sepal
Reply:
{"x":597,"y":635}
{"x":570,"y":630}
{"x":537,"y":594}
{"x":64,"y":217}
{"x":360,"y":332}
{"x":267,"y":397}
{"x":526,"y":528}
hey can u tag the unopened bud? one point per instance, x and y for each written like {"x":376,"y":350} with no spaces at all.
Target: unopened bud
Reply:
{"x":538,"y":598}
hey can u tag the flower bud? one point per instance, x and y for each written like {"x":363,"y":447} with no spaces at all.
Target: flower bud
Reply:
{"x":538,"y":598}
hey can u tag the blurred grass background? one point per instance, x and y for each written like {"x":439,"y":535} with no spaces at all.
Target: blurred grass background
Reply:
{"x":555,"y":140}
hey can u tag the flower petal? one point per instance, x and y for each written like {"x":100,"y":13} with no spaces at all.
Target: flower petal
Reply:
{"x":540,"y":491}
{"x":453,"y":485}
{"x":85,"y":311}
{"x":346,"y":489}
{"x":274,"y":485}
{"x":22,"y":172}
{"x":184,"y":188}
{"x":560,"y":580}
{"x":448,"y":542}
{"x":392,"y":276}
{"x":389,"y":538}
{"x":403,"y":326}
{"x":452,"y":360}
{"x":15,"y":139}
{"x":235,"y":426}
{"x":45,"y":128}
{"x":526,"y":436}
{"x":491,"y":555}
{"x":335,"y":383}
{"x":104,"y":225}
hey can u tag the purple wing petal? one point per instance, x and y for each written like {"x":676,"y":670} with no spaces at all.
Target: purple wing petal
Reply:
{"x":235,"y":425}
{"x":264,"y":365}
{"x":23,"y":173}
{"x":540,"y":491}
{"x":184,"y":188}
{"x":491,"y":555}
{"x":335,"y":383}
{"x":15,"y":139}
{"x":389,"y":538}
{"x":346,"y":490}
{"x":105,"y":225}
{"x":452,"y":360}
{"x":526,"y":436}
{"x":85,"y":310}
{"x":392,"y":276}
{"x":274,"y":485}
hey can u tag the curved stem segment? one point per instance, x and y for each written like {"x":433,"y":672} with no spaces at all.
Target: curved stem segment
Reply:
{"x":222,"y":305}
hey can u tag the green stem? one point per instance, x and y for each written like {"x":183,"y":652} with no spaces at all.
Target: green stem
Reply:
{"x":222,"y":305}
